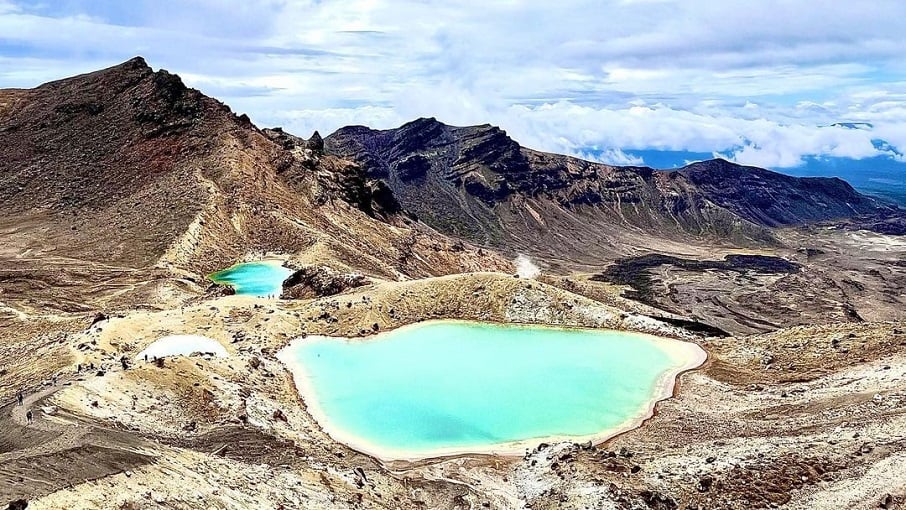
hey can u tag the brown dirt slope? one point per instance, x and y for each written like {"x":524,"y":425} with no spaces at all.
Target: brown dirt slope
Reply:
{"x":128,"y":168}
{"x":101,"y":162}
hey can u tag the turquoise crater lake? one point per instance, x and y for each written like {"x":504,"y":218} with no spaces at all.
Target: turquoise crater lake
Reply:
{"x":444,"y":387}
{"x":261,"y":279}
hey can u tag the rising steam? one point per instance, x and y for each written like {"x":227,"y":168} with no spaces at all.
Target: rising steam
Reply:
{"x":525,"y":268}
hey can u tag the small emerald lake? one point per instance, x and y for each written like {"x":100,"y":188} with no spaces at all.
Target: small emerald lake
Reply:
{"x":444,"y":387}
{"x":261,"y":279}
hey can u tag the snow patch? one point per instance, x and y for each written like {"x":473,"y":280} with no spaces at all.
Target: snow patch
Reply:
{"x":183,"y":345}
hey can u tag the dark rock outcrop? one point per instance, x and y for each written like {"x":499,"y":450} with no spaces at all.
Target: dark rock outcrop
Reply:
{"x":217,"y":290}
{"x":774,"y":200}
{"x":889,"y":223}
{"x":282,"y":138}
{"x":98,"y":317}
{"x":337,"y":179}
{"x":350,"y":183}
{"x":636,"y":271}
{"x":315,"y":143}
{"x":319,"y":281}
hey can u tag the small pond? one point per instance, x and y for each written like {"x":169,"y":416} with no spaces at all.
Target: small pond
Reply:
{"x":261,"y":279}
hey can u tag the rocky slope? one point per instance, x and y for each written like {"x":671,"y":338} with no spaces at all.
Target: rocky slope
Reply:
{"x":808,"y":417}
{"x":776,"y":200}
{"x":478,"y":183}
{"x":119,"y":189}
{"x":91,"y":157}
{"x":129,"y":168}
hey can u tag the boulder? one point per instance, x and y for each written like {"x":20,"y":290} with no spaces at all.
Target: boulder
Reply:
{"x":98,"y":317}
{"x":218,"y":290}
{"x":319,"y":281}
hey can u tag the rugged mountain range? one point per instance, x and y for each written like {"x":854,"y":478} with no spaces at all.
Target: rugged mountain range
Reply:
{"x":129,"y":167}
{"x":120,"y":189}
{"x":479,"y":183}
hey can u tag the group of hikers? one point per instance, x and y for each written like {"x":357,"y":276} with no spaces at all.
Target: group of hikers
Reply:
{"x":20,"y":399}
{"x":20,"y":396}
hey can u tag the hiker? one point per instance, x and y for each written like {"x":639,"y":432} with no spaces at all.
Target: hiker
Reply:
{"x":28,"y":416}
{"x":19,"y":398}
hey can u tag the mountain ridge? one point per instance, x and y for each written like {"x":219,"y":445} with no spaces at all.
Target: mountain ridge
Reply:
{"x":90,"y":155}
{"x":122,"y":189}
{"x":130,"y":167}
{"x":477,"y":182}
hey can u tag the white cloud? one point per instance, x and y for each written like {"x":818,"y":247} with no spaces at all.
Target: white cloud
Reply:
{"x":752,"y":80}
{"x":7,"y":7}
{"x":756,"y":141}
{"x":304,"y":122}
{"x":610,"y":156}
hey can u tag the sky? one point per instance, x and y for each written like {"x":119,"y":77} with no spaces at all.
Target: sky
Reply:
{"x":759,"y":82}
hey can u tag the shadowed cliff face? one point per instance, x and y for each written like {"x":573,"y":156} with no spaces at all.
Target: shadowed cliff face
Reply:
{"x":478,"y":183}
{"x":776,"y":200}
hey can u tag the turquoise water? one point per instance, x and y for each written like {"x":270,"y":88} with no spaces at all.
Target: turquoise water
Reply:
{"x":254,"y":278}
{"x":462,"y":385}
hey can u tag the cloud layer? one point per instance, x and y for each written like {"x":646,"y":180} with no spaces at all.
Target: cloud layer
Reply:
{"x":760,"y":82}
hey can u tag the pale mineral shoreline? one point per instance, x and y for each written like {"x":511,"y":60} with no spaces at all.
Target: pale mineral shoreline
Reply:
{"x":685,"y":356}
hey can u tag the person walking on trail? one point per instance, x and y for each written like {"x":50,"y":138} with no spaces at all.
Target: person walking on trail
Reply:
{"x":19,"y":398}
{"x":29,"y":417}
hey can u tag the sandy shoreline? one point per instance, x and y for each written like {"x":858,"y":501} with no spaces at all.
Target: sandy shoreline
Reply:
{"x":685,"y":356}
